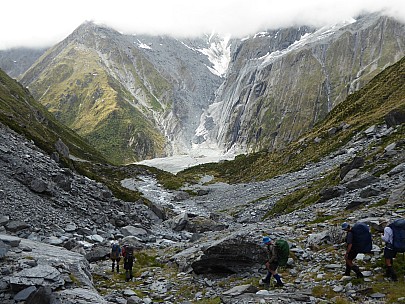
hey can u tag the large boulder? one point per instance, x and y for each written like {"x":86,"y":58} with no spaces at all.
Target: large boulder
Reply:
{"x":47,"y":266}
{"x":395,"y":117}
{"x":235,"y":253}
{"x":200,"y":224}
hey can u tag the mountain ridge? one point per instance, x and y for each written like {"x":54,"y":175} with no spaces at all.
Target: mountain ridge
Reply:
{"x":174,"y":96}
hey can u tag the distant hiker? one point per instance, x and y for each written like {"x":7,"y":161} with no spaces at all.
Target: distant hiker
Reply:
{"x":128,"y":254}
{"x":278,"y":253}
{"x":394,"y":238}
{"x":115,"y":256}
{"x":358,"y":240}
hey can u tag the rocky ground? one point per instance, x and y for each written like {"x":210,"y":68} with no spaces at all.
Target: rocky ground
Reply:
{"x":56,"y":228}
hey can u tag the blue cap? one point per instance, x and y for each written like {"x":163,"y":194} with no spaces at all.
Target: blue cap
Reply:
{"x":345,"y":226}
{"x":266,"y":240}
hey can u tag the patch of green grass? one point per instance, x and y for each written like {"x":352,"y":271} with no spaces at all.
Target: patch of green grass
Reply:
{"x":74,"y":280}
{"x":302,"y":197}
{"x":322,"y":219}
{"x":325,"y":292}
{"x":380,"y":203}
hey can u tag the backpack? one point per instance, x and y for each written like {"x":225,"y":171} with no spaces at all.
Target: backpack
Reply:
{"x":362,"y":240}
{"x":398,"y":230}
{"x":128,"y":254}
{"x":115,"y":251}
{"x":283,"y":252}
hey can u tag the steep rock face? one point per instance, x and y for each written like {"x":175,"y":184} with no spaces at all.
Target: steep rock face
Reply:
{"x":135,"y":97}
{"x":16,"y":61}
{"x":270,"y":99}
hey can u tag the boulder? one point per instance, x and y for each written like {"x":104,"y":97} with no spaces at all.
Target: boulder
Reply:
{"x":134,"y":231}
{"x":361,"y":182}
{"x":356,"y":163}
{"x":43,"y":295}
{"x":61,"y":148}
{"x":201,"y":224}
{"x":332,"y":192}
{"x":3,"y":249}
{"x":395,"y":118}
{"x":232,"y":254}
{"x":41,"y":275}
{"x":15,"y":226}
{"x":24,"y":294}
{"x":178,"y":222}
{"x":98,"y":253}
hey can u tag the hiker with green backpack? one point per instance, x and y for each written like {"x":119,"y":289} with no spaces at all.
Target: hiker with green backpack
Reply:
{"x":278,"y":253}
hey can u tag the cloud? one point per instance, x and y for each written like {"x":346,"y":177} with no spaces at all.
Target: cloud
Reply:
{"x":46,"y":22}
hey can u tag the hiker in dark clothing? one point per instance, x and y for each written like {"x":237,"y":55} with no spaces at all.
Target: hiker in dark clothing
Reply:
{"x":128,"y":254}
{"x":272,"y":263}
{"x":351,"y":253}
{"x":389,"y":253}
{"x":115,"y":257}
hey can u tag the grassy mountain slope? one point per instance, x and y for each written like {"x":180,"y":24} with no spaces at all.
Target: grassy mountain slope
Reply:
{"x":366,"y":107}
{"x":81,"y":86}
{"x":22,"y":113}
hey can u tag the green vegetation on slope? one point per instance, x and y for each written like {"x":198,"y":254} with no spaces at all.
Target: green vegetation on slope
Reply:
{"x":366,"y":107}
{"x":94,"y":104}
{"x":23,"y":114}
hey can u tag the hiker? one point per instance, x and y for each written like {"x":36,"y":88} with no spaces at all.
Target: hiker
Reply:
{"x":115,"y":256}
{"x":128,"y":254}
{"x":358,"y":240}
{"x":389,"y":252}
{"x":272,"y":262}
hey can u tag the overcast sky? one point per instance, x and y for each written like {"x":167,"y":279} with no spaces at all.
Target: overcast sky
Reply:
{"x":46,"y":22}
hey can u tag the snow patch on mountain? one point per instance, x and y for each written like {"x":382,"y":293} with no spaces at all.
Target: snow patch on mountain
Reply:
{"x":306,"y":39}
{"x":143,"y":45}
{"x":219,"y":54}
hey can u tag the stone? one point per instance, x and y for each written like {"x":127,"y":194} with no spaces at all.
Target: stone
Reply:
{"x":41,"y":275}
{"x":362,"y":182}
{"x":24,"y":294}
{"x":4,"y":219}
{"x":15,"y":226}
{"x":377,"y":295}
{"x":371,"y":130}
{"x":333,"y":266}
{"x":395,"y":118}
{"x":61,"y":148}
{"x":238,"y":290}
{"x":98,"y":253}
{"x":338,"y":288}
{"x":10,"y":240}
{"x":43,"y":295}
{"x":356,"y":163}
{"x":39,"y":186}
{"x":4,"y":248}
{"x":71,"y":227}
{"x":134,"y":231}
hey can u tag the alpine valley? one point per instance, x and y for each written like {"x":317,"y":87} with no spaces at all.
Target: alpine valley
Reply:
{"x":137,"y":97}
{"x":315,"y":117}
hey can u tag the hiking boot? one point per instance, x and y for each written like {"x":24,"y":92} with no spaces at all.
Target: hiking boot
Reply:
{"x":348,"y":269}
{"x":265,"y":282}
{"x":279,"y":284}
{"x":358,"y":272}
{"x":391,"y":274}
